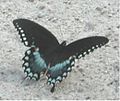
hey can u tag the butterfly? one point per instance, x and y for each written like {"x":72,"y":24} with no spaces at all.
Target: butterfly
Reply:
{"x":49,"y":57}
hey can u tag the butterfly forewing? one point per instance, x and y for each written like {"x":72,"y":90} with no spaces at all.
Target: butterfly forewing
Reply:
{"x":83,"y":46}
{"x":32,"y":33}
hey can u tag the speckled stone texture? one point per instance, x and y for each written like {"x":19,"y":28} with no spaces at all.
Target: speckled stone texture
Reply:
{"x":94,"y":77}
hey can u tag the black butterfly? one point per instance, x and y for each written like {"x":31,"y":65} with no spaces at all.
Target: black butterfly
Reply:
{"x":47,"y":56}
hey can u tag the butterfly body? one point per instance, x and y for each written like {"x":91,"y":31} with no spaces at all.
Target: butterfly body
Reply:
{"x":55,"y":53}
{"x":46,"y":56}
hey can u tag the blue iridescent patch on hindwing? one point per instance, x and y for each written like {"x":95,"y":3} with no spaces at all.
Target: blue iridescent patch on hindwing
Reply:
{"x":34,"y":65}
{"x":60,"y":71}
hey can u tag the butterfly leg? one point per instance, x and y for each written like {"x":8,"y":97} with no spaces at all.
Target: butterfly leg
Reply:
{"x":45,"y":73}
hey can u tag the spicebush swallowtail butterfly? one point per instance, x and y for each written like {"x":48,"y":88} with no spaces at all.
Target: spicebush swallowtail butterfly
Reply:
{"x":47,"y":56}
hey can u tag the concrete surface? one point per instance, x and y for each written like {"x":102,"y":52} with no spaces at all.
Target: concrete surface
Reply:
{"x":94,"y":77}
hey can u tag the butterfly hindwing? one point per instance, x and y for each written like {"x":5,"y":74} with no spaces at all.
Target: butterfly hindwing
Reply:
{"x":34,"y":64}
{"x":59,"y":71}
{"x":32,"y":33}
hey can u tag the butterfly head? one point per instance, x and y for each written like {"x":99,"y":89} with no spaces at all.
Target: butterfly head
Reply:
{"x":63,"y":43}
